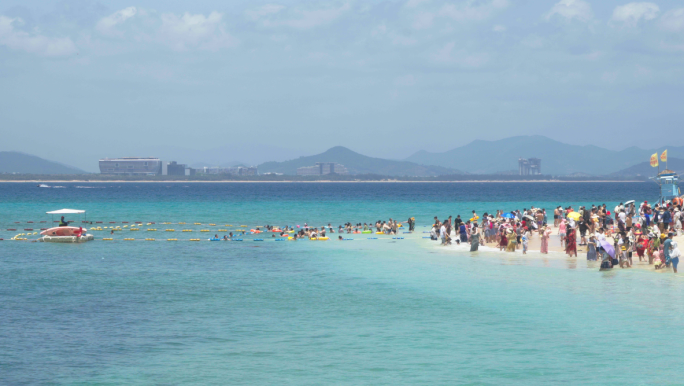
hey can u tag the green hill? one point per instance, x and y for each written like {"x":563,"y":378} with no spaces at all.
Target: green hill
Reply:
{"x":357,"y":164}
{"x":482,"y":157}
{"x":645,"y":168}
{"x":15,"y":162}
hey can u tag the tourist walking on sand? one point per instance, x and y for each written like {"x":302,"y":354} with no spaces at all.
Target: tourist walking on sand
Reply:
{"x":640,"y":243}
{"x":562,"y":229}
{"x":442,"y":234}
{"x":503,"y":241}
{"x":556,"y":216}
{"x":545,"y":233}
{"x":625,"y":247}
{"x":583,"y":231}
{"x":649,"y":247}
{"x":512,"y":240}
{"x":571,"y":242}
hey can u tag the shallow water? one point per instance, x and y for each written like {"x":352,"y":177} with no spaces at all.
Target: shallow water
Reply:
{"x":355,"y":312}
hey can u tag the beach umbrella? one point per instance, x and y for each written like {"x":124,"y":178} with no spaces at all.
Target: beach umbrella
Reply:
{"x":629,"y":202}
{"x":508,"y":215}
{"x":574,"y":215}
{"x":527,"y":216}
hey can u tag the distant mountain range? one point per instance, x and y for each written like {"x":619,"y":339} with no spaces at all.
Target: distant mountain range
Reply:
{"x":477,"y":157}
{"x":357,"y":164}
{"x":483,"y":157}
{"x":15,"y":162}
{"x":645,"y":168}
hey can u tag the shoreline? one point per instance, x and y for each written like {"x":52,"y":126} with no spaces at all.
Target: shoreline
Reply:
{"x":314,"y":182}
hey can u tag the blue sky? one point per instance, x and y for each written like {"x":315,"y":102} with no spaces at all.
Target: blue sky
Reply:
{"x":256,"y":81}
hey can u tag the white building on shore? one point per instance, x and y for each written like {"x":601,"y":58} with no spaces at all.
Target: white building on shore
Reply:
{"x":131,"y":166}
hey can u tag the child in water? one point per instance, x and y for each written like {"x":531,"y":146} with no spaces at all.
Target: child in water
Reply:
{"x":525,"y":243}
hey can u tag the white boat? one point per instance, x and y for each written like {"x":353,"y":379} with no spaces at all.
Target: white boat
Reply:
{"x":66,"y":234}
{"x":67,"y":239}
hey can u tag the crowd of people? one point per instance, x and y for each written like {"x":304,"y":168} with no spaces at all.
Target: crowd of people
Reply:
{"x":389,"y":227}
{"x":612,"y":238}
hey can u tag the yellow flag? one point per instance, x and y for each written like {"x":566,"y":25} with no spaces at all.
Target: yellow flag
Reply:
{"x":663,"y":156}
{"x":654,"y":160}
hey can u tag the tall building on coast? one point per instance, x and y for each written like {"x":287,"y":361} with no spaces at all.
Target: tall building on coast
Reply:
{"x":322,"y":168}
{"x":131,"y":166}
{"x":234,"y":171}
{"x":529,"y":166}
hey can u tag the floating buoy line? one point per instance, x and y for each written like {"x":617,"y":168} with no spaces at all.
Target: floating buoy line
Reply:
{"x":113,"y":228}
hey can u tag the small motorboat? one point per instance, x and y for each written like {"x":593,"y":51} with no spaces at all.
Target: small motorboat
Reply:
{"x":66,"y":234}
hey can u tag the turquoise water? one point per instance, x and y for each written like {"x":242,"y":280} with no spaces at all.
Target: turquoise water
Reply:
{"x":359,"y":312}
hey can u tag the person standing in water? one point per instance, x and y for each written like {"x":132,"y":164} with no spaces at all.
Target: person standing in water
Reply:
{"x":666,"y":249}
{"x":591,"y":248}
{"x":674,"y":256}
{"x":545,"y":233}
{"x":474,"y":240}
{"x":571,"y":242}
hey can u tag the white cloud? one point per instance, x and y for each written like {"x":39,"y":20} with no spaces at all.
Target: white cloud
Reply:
{"x":33,"y":43}
{"x":396,"y":38}
{"x":106,"y":24}
{"x":468,"y":11}
{"x":195,"y":31}
{"x":424,"y":20}
{"x":265,"y":10}
{"x":533,"y":41}
{"x":499,"y":28}
{"x":448,"y":55}
{"x":673,"y":20}
{"x":303,"y":18}
{"x":632,"y":13}
{"x":571,"y":9}
{"x":414,"y":3}
{"x":464,"y":11}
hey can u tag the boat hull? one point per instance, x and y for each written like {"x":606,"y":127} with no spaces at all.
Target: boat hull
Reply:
{"x":64,"y":231}
{"x":66,"y":239}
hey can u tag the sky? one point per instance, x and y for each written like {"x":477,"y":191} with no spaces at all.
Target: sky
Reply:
{"x":253,"y":81}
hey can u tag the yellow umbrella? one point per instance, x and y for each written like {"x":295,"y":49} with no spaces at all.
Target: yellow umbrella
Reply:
{"x":574,"y":215}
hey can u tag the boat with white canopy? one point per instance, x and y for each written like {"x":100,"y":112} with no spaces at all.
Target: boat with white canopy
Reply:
{"x":65,"y":233}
